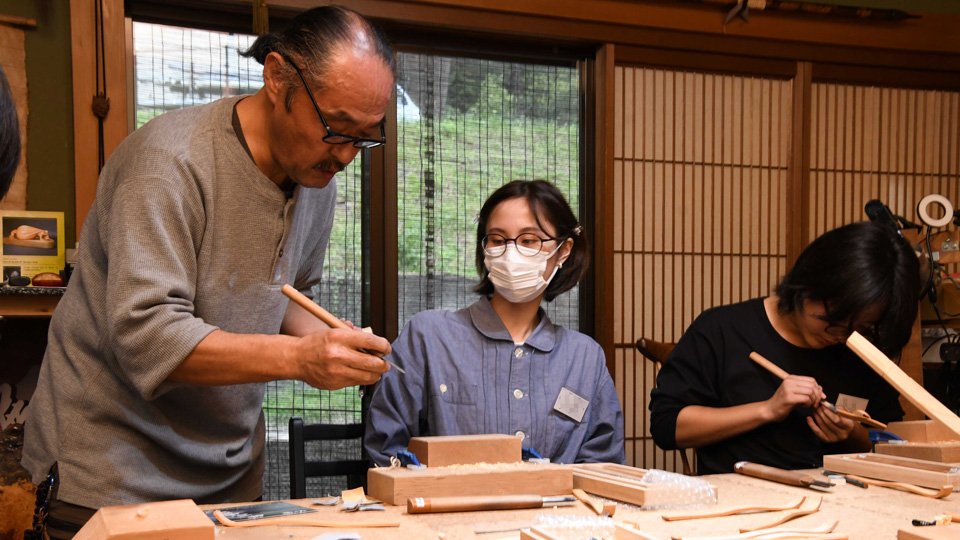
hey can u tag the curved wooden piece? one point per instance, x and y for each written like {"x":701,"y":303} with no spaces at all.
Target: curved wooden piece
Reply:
{"x":306,"y":521}
{"x":703,"y":514}
{"x":820,"y":532}
{"x":809,"y":506}
{"x":903,"y":486}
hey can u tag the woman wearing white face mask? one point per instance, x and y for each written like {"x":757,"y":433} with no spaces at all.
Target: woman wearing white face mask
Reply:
{"x":501,"y":365}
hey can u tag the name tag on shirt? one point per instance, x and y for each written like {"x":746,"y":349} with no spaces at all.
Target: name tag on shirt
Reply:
{"x":570,"y":404}
{"x":851,"y":403}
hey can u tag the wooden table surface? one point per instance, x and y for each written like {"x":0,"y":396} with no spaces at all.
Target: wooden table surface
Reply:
{"x":874,"y":513}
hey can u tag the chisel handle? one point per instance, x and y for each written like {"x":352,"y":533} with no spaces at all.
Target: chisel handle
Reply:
{"x":783,"y":476}
{"x":430,"y":505}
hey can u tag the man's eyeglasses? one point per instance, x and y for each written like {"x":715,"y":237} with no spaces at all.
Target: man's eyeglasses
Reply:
{"x":332,"y":137}
{"x":528,"y":244}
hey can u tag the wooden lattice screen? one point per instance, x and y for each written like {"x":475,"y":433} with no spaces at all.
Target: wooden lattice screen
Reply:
{"x":700,"y":195}
{"x":700,"y":173}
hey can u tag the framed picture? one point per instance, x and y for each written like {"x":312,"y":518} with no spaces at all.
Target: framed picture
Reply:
{"x":33,"y":242}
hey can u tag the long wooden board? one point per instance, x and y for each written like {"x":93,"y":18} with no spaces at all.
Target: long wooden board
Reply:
{"x":396,"y":485}
{"x":904,"y":384}
{"x":895,"y":469}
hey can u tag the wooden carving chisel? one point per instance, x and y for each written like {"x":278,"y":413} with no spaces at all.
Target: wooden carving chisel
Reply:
{"x":431,"y":505}
{"x":783,"y":476}
{"x":779,"y":372}
{"x":328,"y":318}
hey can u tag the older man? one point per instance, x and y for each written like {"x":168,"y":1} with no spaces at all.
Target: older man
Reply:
{"x":151,"y":385}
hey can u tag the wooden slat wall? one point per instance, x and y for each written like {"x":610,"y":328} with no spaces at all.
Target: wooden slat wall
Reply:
{"x":891,"y":144}
{"x":700,"y":212}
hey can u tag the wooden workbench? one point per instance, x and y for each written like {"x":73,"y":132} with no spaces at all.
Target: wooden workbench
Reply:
{"x":868,"y":514}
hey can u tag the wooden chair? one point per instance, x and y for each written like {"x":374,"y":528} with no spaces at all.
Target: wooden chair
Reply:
{"x":300,"y":469}
{"x":658,"y":352}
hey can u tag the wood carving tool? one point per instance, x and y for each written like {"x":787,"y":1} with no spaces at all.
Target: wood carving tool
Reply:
{"x":305,"y":520}
{"x":783,"y":476}
{"x":432,"y":505}
{"x":732,"y":511}
{"x":858,"y":416}
{"x":852,"y":480}
{"x":332,"y":321}
{"x":903,"y":486}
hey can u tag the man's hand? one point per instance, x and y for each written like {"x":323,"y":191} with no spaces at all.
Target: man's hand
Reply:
{"x":828,"y":426}
{"x":794,"y":391}
{"x":335,"y":358}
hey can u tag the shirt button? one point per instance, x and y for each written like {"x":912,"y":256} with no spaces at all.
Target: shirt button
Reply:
{"x":281,"y":252}
{"x":518,"y":393}
{"x":518,"y":352}
{"x":443,"y":389}
{"x":520,"y":434}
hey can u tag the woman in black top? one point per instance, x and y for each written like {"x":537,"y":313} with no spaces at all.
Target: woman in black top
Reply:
{"x":712,"y":397}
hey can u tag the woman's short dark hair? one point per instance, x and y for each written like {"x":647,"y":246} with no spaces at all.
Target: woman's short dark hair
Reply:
{"x":853,"y":268}
{"x":313,"y":38}
{"x":9,"y":136}
{"x":547,"y":204}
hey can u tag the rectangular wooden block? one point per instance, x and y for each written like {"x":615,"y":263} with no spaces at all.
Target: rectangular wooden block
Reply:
{"x":895,"y":469}
{"x":941,"y":452}
{"x":396,"y":485}
{"x":442,"y":451}
{"x":921,"y":431}
{"x":943,"y":532}
{"x":166,"y":520}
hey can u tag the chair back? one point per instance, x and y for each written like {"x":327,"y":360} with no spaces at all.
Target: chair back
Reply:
{"x":300,"y":468}
{"x":658,"y":352}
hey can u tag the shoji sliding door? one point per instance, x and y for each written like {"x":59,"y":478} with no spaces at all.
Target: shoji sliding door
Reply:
{"x":700,"y":212}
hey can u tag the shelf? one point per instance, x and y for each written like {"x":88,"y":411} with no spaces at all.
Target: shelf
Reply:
{"x":29,"y":301}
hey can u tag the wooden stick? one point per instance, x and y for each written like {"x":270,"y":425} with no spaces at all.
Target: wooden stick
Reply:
{"x":332,"y":321}
{"x":768,"y":365}
{"x":903,"y":486}
{"x":904,"y":384}
{"x":306,"y":521}
{"x":598,"y":507}
{"x":858,"y":416}
{"x":480,"y":503}
{"x":702,"y":514}
{"x":301,"y":300}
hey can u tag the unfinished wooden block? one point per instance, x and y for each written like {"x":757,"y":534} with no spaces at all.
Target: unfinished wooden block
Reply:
{"x":441,"y":451}
{"x":395,"y":485}
{"x":895,"y":469}
{"x":921,"y":431}
{"x":166,"y":520}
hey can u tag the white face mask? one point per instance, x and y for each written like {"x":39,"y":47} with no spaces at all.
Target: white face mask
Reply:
{"x":519,"y":278}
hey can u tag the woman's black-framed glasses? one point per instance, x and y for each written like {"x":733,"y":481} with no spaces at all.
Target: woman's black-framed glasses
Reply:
{"x":528,"y":244}
{"x":332,"y":137}
{"x":843,"y":330}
